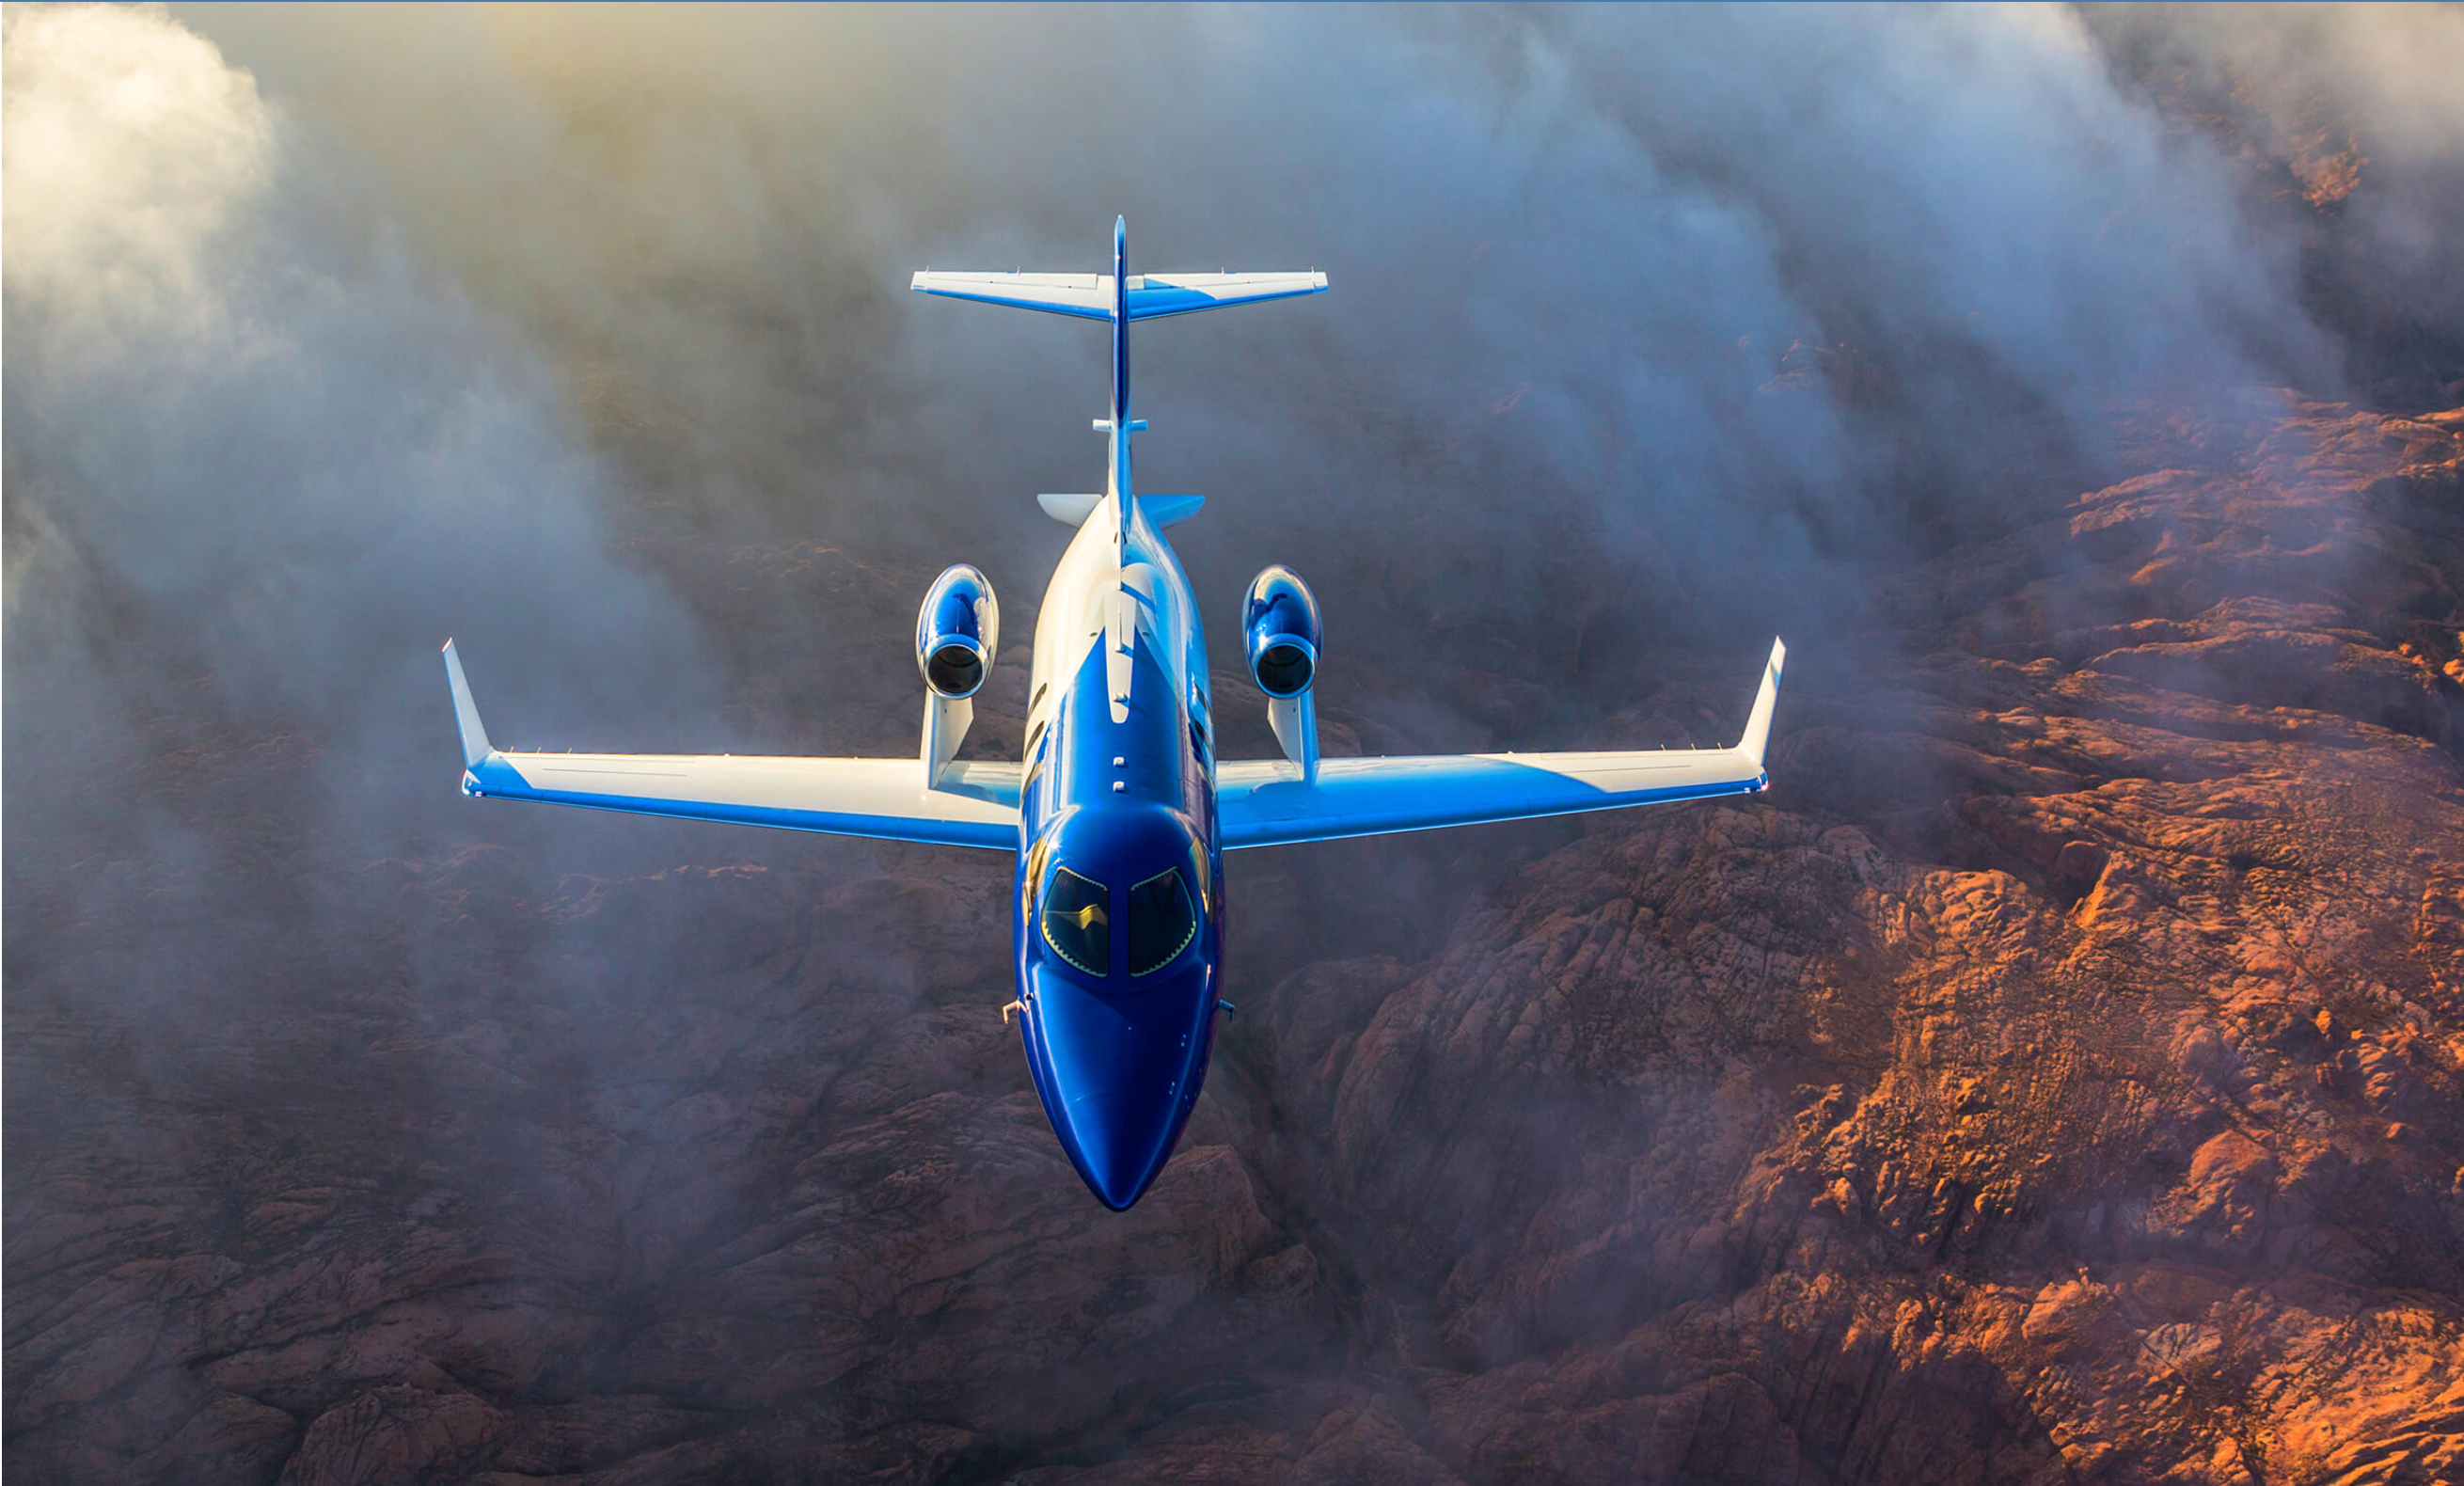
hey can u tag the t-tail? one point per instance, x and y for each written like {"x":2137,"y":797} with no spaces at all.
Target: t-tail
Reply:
{"x":1119,"y":296}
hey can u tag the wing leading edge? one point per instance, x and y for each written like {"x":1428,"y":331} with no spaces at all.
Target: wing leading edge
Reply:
{"x":972,"y":804}
{"x":1267,"y":803}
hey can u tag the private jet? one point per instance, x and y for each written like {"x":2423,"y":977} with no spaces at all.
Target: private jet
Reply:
{"x":1120,"y":812}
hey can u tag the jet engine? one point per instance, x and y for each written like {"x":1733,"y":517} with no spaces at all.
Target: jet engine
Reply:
{"x":957,"y":633}
{"x":1279,"y":622}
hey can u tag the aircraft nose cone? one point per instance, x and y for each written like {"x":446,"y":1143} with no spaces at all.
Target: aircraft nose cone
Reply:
{"x":1122,"y":1144}
{"x":1120,"y":1075}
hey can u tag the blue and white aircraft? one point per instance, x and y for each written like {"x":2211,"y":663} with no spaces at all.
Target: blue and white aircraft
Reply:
{"x":1120,"y":813}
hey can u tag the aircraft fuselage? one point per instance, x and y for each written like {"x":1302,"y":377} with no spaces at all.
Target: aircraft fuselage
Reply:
{"x":1119,"y":965}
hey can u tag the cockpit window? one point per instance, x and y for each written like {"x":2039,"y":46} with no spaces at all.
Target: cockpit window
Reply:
{"x":1162,"y":922}
{"x":1075,"y":922}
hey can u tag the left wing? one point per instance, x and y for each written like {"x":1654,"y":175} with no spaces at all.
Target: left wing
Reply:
{"x":971,"y":804}
{"x":1268,"y":803}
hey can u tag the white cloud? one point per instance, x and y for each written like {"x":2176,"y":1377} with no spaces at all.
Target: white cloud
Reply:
{"x":130,"y":151}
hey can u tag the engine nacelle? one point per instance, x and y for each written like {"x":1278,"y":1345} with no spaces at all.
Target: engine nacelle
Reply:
{"x":957,"y":633}
{"x":1279,"y":622}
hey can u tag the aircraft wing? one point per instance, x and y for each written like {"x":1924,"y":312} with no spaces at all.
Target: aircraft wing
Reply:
{"x":973,"y":803}
{"x":1267,"y":803}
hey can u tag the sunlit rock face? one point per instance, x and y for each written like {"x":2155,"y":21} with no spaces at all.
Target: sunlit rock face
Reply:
{"x":2055,"y":1077}
{"x":2066,"y":1081}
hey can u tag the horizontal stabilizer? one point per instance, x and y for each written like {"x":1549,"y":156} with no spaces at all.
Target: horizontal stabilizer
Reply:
{"x":1090,"y":296}
{"x":1153,"y":296}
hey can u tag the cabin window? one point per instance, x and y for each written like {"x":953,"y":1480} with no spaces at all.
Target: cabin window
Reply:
{"x":1075,"y":922}
{"x":1162,"y":922}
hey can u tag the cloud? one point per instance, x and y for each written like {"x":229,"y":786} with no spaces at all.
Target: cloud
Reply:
{"x":1952,"y":217}
{"x":107,"y":237}
{"x":2348,"y":142}
{"x":253,"y":444}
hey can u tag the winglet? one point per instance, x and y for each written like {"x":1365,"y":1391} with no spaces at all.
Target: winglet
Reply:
{"x":466,"y":712}
{"x":1758,"y":722}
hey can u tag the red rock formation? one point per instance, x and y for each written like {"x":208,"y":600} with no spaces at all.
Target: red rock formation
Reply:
{"x":2060,"y":1075}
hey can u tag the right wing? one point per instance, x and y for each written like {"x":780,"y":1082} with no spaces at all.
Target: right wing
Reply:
{"x":973,"y":803}
{"x":1268,"y":803}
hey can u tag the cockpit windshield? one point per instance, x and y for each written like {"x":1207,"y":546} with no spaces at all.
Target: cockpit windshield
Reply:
{"x":1075,"y":922}
{"x":1162,"y":922}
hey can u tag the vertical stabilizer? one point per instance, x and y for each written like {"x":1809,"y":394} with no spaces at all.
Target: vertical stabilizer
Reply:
{"x":1120,"y":323}
{"x":1125,"y":500}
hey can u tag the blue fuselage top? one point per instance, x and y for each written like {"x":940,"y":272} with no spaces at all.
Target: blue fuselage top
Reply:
{"x":1119,"y":930}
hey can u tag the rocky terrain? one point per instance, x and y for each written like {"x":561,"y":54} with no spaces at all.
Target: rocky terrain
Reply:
{"x":2058,"y":1075}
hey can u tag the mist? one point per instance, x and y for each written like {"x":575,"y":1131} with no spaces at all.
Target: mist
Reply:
{"x":582,"y":336}
{"x":706,"y":221}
